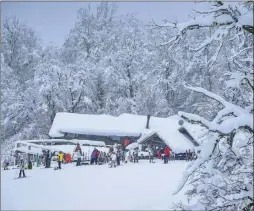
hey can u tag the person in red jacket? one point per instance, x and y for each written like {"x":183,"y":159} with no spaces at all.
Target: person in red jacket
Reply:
{"x":96,"y":156}
{"x":159,"y":154}
{"x":167,"y":154}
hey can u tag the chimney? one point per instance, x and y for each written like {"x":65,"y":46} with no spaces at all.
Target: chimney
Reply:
{"x":147,"y":122}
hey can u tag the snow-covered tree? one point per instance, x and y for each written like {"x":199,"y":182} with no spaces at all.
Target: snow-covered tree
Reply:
{"x":124,"y":65}
{"x":21,"y":48}
{"x":20,"y":54}
{"x":216,"y":41}
{"x":222,"y":176}
{"x":90,"y":34}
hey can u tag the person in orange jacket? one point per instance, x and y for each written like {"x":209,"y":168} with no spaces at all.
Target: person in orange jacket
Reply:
{"x":68,"y":158}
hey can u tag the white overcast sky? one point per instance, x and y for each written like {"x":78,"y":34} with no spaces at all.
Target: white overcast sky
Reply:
{"x":52,"y":21}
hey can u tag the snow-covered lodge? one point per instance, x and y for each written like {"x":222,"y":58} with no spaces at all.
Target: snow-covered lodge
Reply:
{"x":99,"y":131}
{"x":136,"y":128}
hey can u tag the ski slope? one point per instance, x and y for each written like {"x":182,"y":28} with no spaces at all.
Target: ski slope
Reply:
{"x":141,"y":186}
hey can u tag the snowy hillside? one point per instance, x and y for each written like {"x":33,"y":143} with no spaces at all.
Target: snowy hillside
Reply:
{"x":142,"y":186}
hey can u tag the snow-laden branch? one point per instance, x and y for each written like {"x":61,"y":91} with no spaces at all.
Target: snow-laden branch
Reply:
{"x":241,"y":118}
{"x":202,"y":158}
{"x":222,"y":16}
{"x":214,"y":57}
{"x":194,"y":118}
{"x":240,"y":52}
{"x":237,"y":110}
{"x":226,"y":127}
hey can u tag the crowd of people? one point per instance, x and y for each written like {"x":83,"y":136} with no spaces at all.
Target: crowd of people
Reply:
{"x":115,"y":155}
{"x":167,"y":154}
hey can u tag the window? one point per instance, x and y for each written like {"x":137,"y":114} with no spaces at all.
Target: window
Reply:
{"x":115,"y":138}
{"x":70,"y":135}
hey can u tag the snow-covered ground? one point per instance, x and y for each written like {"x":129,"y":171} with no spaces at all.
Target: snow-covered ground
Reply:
{"x":128,"y":187}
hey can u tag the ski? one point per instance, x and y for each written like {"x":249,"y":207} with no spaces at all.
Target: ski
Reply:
{"x":56,"y":168}
{"x":20,"y":177}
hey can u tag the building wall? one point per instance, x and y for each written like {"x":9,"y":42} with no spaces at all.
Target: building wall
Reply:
{"x":153,"y":140}
{"x":109,"y":140}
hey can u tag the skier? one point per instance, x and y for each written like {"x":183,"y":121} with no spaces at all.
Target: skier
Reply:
{"x":78,"y":157}
{"x":167,"y":154}
{"x":173,"y":156}
{"x":113,"y":160}
{"x":150,"y":152}
{"x":60,"y":159}
{"x":93,"y":156}
{"x":38,"y":160}
{"x":158,"y":154}
{"x":162,"y":153}
{"x":118,"y":157}
{"x":100,"y":158}
{"x":96,"y":156}
{"x":22,"y":168}
{"x":68,"y":158}
{"x":30,"y":165}
{"x":135,"y":155}
{"x":6,"y":164}
{"x":130,"y":156}
{"x":111,"y":149}
{"x":124,"y":159}
{"x":105,"y":157}
{"x":48,"y":158}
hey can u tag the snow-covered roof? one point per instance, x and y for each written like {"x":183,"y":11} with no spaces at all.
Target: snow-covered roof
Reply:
{"x":167,"y":130}
{"x":147,"y":133}
{"x":123,"y":125}
{"x":195,"y":130}
{"x":73,"y":141}
{"x":37,"y":148}
{"x":34,"y":147}
{"x":33,"y":151}
{"x":104,"y":125}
